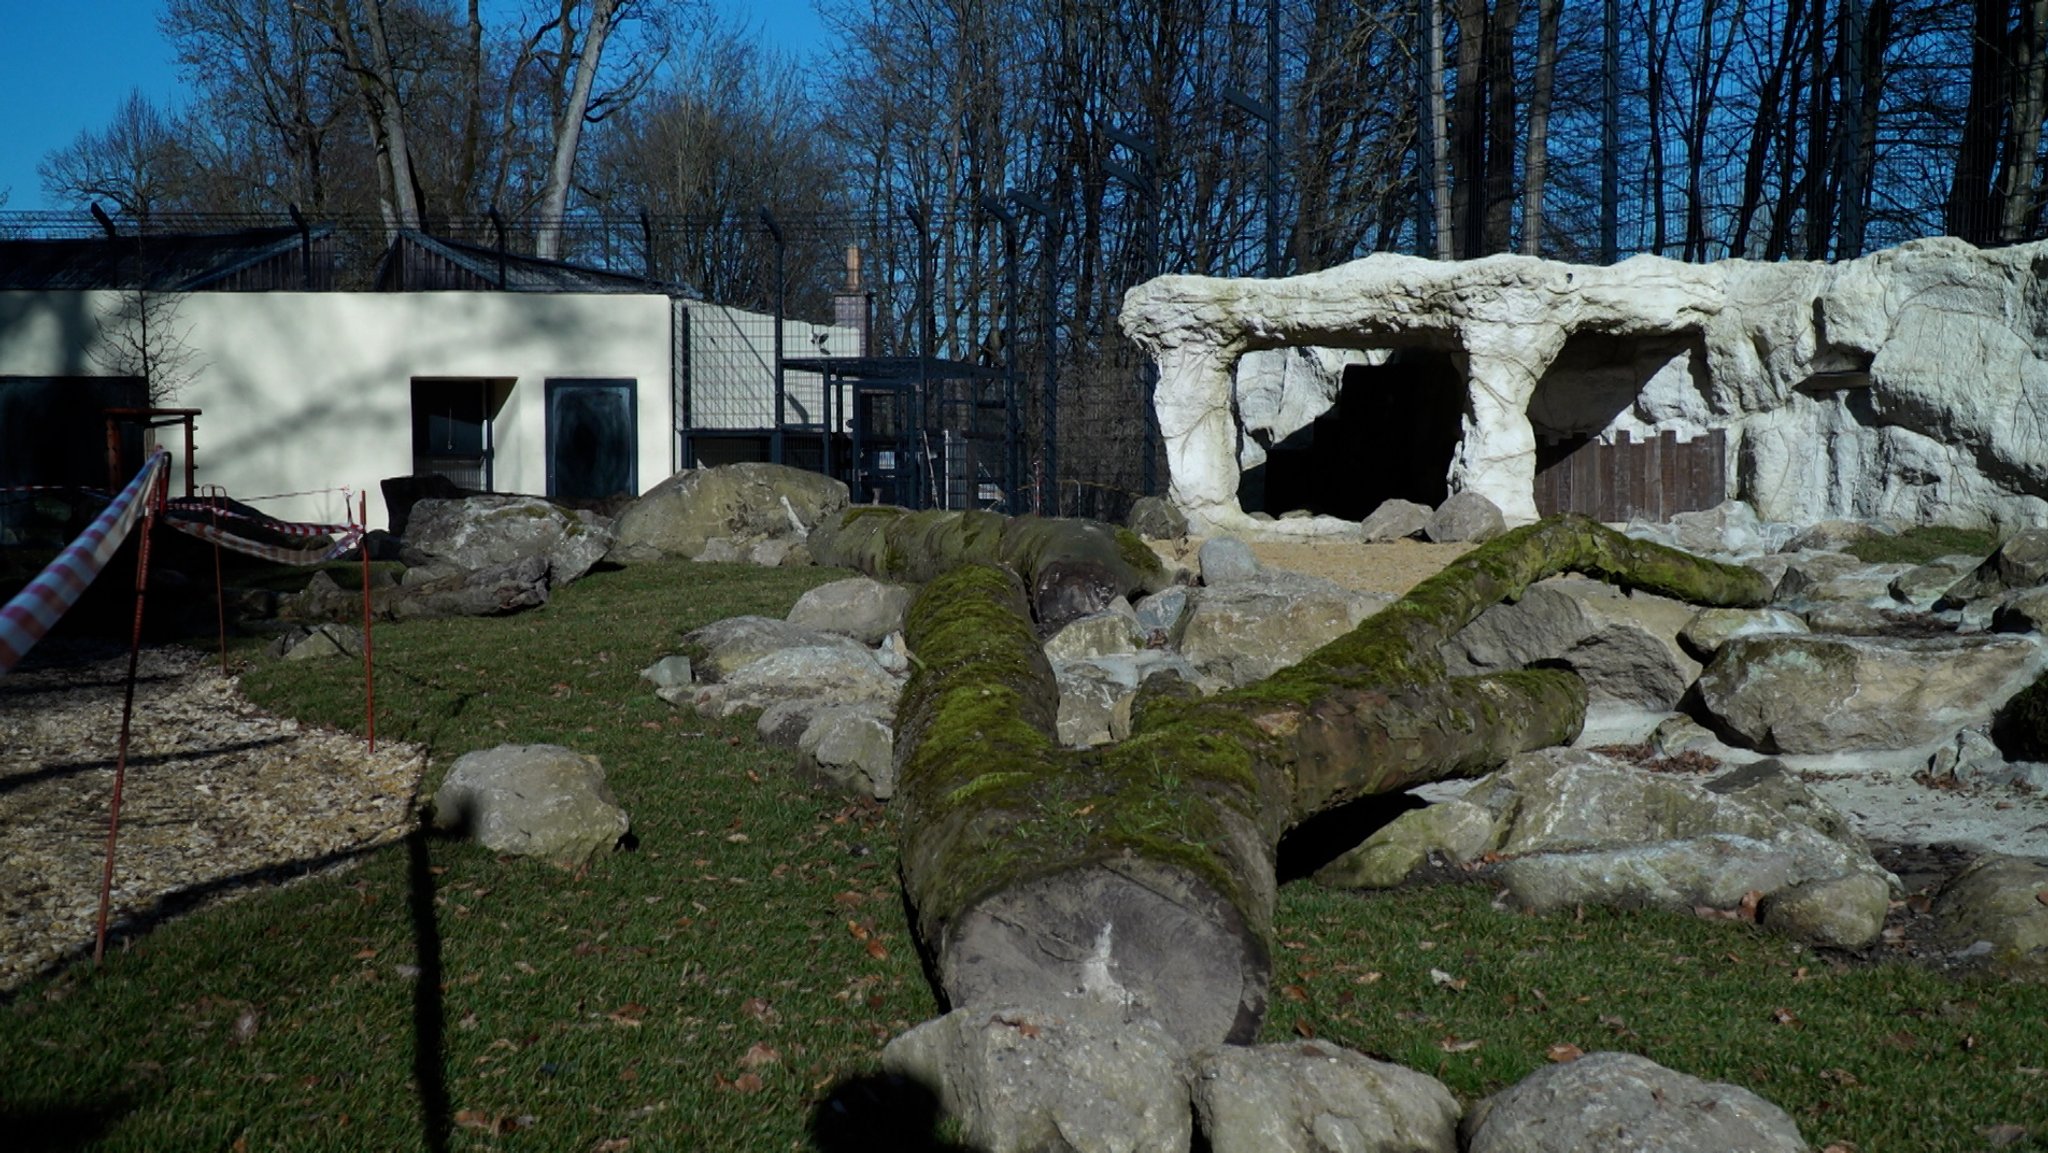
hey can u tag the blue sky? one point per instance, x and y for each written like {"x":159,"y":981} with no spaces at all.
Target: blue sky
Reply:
{"x":71,"y":62}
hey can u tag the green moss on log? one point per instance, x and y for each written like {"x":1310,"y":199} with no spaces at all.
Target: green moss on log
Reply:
{"x":1207,"y":787}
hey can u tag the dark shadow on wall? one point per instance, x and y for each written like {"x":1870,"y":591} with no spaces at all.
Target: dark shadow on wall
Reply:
{"x":1391,"y":434}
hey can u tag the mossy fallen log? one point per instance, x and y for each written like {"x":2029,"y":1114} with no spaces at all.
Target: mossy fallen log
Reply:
{"x":1143,"y":872}
{"x":1070,"y":566}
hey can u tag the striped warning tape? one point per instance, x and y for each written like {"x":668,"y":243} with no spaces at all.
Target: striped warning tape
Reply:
{"x":30,"y":615}
{"x":345,"y":538}
{"x":185,"y":508}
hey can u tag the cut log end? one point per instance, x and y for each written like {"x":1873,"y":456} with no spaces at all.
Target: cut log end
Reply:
{"x":1144,"y":938}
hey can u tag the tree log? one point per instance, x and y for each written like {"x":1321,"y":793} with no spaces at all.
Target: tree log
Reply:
{"x":1071,"y":566}
{"x":1143,"y":872}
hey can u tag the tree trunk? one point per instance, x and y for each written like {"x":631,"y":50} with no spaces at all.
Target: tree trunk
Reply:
{"x":569,"y":130}
{"x":1071,"y":566}
{"x":1144,"y":872}
{"x":1539,"y":126}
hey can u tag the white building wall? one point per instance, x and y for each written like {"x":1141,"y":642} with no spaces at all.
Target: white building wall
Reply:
{"x":308,"y":393}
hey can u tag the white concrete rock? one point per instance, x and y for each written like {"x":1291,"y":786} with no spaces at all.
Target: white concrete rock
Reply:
{"x":1907,"y":384}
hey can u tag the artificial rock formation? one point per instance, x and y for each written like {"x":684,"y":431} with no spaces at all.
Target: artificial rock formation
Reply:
{"x":1908,"y":383}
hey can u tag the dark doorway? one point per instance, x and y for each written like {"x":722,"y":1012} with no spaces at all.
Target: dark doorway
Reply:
{"x":1391,"y":434}
{"x":592,"y":438}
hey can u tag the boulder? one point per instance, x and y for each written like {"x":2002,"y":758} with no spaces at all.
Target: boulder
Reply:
{"x":743,"y":502}
{"x":1455,"y":829}
{"x":1711,"y":628}
{"x":1919,"y":587}
{"x":1315,"y":1097}
{"x":1072,"y":1076}
{"x":1581,"y":828}
{"x":851,"y":747}
{"x":332,"y":639}
{"x":1239,"y":633}
{"x":1096,"y":693}
{"x":1626,"y":647}
{"x":1160,"y":615}
{"x":1611,"y":1102}
{"x":668,"y":672}
{"x":532,"y":801}
{"x":719,"y":648}
{"x":1465,"y":516}
{"x":1999,"y":902}
{"x":2025,"y":611}
{"x":1096,"y":635}
{"x":1826,"y":694}
{"x":1729,"y":529}
{"x":1805,"y":584}
{"x":1155,"y":518}
{"x":860,"y":607}
{"x":1395,"y":519}
{"x":451,"y":592}
{"x":1834,"y":535}
{"x":832,"y":672}
{"x":2020,"y":563}
{"x":720,"y":550}
{"x":1227,"y":560}
{"x":484,"y":532}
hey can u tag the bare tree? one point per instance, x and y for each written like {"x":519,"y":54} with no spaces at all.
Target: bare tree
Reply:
{"x":139,"y":163}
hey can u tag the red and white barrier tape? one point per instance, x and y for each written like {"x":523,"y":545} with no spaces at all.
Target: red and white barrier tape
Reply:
{"x":345,"y":538}
{"x":33,"y":611}
{"x":193,"y":507}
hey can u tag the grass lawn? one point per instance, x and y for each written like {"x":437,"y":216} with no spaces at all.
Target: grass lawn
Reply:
{"x":729,"y":982}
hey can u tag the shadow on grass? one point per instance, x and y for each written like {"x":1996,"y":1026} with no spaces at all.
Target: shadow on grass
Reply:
{"x":60,"y":1128}
{"x":880,"y":1113}
{"x":429,"y":1046}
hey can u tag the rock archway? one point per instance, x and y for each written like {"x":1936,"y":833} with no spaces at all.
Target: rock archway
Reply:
{"x":1912,"y":383}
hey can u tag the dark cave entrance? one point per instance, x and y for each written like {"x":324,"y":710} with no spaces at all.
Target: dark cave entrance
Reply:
{"x":1391,"y":434}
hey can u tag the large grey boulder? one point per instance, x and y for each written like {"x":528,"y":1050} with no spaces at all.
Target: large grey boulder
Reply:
{"x":1625,"y":647}
{"x":860,"y":607}
{"x":1226,"y":560}
{"x":1155,"y":518}
{"x":719,"y":648}
{"x":1826,"y":694}
{"x":1049,"y":1079}
{"x":1395,"y":519}
{"x":1096,"y":692}
{"x":742,"y":502}
{"x":1315,"y":1097}
{"x":1239,"y":633}
{"x":1580,"y":828}
{"x":830,"y":672}
{"x":532,"y":801}
{"x":1730,"y":529}
{"x":1996,"y":908}
{"x":1920,"y":587}
{"x":1455,"y":829}
{"x":484,"y":532}
{"x":1711,"y":628}
{"x":851,"y":747}
{"x":1806,"y":583}
{"x":1622,"y":1103}
{"x":1113,"y":631}
{"x":447,"y":592}
{"x":1465,"y":516}
{"x":2020,"y":563}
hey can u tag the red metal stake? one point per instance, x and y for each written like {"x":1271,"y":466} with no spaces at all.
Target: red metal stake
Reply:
{"x":369,"y":666}
{"x":153,"y":501}
{"x":220,"y":597}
